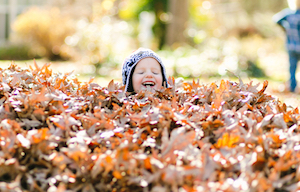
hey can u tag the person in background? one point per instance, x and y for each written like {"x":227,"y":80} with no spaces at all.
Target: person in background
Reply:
{"x":289,"y":20}
{"x":143,"y":70}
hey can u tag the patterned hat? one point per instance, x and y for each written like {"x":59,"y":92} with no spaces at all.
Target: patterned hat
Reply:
{"x":130,"y":63}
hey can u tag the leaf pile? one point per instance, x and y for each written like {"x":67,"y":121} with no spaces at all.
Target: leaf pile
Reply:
{"x":58,"y":134}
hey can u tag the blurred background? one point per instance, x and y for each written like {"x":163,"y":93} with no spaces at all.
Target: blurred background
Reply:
{"x":195,"y":38}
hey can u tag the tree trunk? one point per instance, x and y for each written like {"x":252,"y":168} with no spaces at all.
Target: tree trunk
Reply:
{"x":175,"y":33}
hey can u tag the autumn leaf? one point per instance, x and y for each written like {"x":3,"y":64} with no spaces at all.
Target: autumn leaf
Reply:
{"x":227,"y":140}
{"x":57,"y":133}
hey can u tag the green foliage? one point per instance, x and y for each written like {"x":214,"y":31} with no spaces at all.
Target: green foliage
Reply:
{"x":160,"y":8}
{"x":45,"y":31}
{"x":253,"y":70}
{"x":131,"y":9}
{"x":155,"y":6}
{"x":16,"y":52}
{"x":198,"y":15}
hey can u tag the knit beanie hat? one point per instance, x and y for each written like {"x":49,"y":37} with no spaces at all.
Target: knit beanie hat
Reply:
{"x":132,"y":60}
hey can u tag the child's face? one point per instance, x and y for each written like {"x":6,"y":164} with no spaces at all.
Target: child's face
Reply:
{"x":147,"y":73}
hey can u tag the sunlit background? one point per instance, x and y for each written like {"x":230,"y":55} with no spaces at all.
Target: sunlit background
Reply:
{"x":195,"y":38}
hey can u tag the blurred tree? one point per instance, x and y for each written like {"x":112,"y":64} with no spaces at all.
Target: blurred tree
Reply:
{"x":171,"y":21}
{"x":160,"y":8}
{"x":159,"y":28}
{"x":171,"y":17}
{"x":45,"y":30}
{"x":177,"y":25}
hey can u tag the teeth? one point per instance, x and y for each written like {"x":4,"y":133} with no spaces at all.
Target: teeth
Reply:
{"x":148,"y":84}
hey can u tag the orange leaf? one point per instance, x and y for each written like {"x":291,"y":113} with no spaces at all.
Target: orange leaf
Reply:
{"x":117,"y":175}
{"x":147,"y":163}
{"x":77,"y":155}
{"x":227,"y":140}
{"x":42,"y":135}
{"x":108,"y":159}
{"x":287,"y":118}
{"x":118,"y":134}
{"x":187,"y":86}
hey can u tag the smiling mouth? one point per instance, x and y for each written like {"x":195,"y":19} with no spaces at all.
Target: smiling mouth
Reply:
{"x":150,"y":84}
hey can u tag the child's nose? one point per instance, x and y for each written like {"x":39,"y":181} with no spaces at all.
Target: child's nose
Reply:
{"x":149,"y":74}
